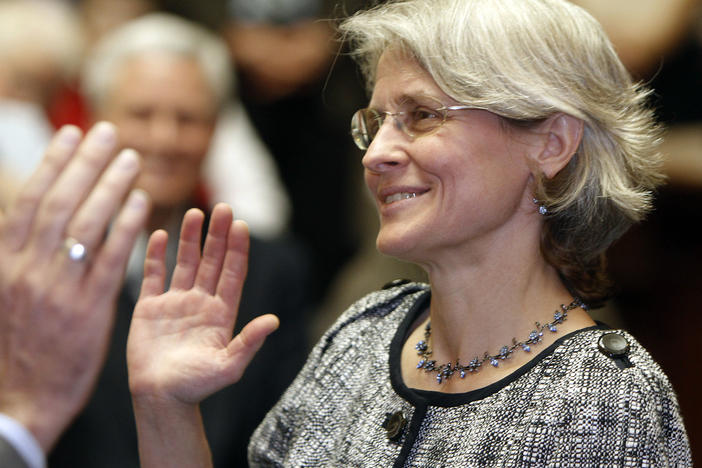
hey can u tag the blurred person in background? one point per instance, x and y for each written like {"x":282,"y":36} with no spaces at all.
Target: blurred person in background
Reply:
{"x":163,"y":81}
{"x":299,"y":86}
{"x":239,"y":168}
{"x":299,"y":94}
{"x":40,"y":49}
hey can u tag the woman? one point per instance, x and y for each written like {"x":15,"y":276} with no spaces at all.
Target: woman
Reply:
{"x":506,"y":147}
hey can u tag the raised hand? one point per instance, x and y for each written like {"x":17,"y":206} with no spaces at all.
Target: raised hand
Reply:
{"x":180,"y":348}
{"x":57,"y":304}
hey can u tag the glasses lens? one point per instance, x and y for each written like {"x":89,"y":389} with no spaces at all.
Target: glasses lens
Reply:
{"x":414,"y":117}
{"x":364,"y":126}
{"x":424,"y":117}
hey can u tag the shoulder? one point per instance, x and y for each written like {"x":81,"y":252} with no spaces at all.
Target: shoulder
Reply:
{"x":388,"y":306}
{"x":626,"y":400}
{"x":611,"y":356}
{"x":610,"y":363}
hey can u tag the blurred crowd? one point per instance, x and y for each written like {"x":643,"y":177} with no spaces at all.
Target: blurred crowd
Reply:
{"x":248,"y":102}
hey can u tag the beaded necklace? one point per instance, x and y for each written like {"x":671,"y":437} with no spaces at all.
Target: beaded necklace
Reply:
{"x":445,"y":371}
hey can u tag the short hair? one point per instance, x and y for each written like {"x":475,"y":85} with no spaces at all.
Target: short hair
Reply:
{"x":526,"y":60}
{"x":157,"y":32}
{"x":42,"y":26}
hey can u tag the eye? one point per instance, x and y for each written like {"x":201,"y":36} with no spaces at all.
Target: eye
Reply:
{"x":424,"y":119}
{"x":424,"y":113}
{"x":139,"y":113}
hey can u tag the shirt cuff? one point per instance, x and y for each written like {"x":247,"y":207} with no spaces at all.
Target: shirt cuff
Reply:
{"x":24,"y":443}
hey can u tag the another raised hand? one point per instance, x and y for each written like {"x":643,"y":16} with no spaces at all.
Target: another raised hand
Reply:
{"x":180,"y":348}
{"x":56,"y":311}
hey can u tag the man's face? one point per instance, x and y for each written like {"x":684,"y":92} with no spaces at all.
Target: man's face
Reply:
{"x":164,"y":109}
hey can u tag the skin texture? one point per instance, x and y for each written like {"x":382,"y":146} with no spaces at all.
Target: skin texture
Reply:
{"x":56,"y":313}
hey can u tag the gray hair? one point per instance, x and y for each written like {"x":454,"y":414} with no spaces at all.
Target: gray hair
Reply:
{"x":44,"y":26}
{"x":526,"y":60}
{"x":157,"y":32}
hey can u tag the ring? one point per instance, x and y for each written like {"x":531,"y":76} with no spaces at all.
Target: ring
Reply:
{"x":75,"y":250}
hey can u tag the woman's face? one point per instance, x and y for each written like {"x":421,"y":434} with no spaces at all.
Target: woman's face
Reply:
{"x":164,"y":108}
{"x":459,"y":186}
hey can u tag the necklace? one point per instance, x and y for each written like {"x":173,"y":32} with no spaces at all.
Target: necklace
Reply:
{"x":445,"y":371}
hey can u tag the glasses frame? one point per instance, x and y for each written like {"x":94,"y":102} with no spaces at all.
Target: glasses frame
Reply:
{"x":359,"y":122}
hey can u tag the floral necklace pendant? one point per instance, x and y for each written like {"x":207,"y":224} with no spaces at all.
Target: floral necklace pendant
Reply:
{"x":445,"y":371}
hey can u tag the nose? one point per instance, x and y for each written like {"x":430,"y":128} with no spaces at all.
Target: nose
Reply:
{"x":388,"y":148}
{"x":164,"y":132}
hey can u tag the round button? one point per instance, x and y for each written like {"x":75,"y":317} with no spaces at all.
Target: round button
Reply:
{"x":613,"y":345}
{"x":394,"y":425}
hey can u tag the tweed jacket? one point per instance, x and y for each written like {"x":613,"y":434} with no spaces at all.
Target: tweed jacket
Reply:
{"x":571,"y":405}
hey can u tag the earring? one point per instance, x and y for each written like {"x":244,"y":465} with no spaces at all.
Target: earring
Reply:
{"x":542,"y":208}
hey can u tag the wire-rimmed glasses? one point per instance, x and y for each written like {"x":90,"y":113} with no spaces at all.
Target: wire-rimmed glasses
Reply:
{"x":415,"y":118}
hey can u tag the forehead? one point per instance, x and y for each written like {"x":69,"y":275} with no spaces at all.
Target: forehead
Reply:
{"x":400,"y":77}
{"x":162,"y":75}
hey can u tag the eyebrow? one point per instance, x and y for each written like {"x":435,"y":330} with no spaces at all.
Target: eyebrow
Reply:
{"x":414,"y":97}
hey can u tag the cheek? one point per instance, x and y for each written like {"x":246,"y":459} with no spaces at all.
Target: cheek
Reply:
{"x":479,"y":178}
{"x":371,"y":181}
{"x":132,"y":134}
{"x":194,"y":142}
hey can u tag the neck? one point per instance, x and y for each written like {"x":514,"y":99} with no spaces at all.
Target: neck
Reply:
{"x":481,"y":301}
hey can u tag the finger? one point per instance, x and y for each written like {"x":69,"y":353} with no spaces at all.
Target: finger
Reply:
{"x":155,"y":265}
{"x":108,"y":266}
{"x":208,"y":271}
{"x":20,"y":215}
{"x":73,"y":185}
{"x":92,"y":218}
{"x":188,"y":250}
{"x":231,"y":279}
{"x":246,"y":344}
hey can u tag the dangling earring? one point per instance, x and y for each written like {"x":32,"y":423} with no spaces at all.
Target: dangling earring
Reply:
{"x":542,"y":208}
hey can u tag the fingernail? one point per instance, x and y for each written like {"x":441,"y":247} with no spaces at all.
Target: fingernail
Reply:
{"x":69,"y":135}
{"x":127,"y":159}
{"x":105,"y":133}
{"x":242,"y":223}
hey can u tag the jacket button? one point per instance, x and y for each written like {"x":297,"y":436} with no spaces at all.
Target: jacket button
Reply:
{"x":613,"y":345}
{"x":394,"y":425}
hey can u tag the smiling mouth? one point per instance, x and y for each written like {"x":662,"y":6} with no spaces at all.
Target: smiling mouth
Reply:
{"x":395,"y":197}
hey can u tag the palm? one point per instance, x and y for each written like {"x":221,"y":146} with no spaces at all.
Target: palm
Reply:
{"x":180,"y":343}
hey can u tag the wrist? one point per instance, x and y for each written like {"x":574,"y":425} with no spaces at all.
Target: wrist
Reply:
{"x":168,"y":431}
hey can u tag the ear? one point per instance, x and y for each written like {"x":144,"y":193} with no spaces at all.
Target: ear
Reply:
{"x":562,"y":136}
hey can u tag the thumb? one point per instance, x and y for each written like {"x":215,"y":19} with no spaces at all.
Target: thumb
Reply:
{"x":246,"y":344}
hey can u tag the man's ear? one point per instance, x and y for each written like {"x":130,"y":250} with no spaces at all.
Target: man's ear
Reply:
{"x":562,"y":136}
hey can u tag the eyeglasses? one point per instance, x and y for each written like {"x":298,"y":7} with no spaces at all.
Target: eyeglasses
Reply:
{"x":415,"y":119}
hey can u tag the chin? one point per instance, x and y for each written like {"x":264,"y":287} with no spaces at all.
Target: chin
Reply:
{"x":401,"y":247}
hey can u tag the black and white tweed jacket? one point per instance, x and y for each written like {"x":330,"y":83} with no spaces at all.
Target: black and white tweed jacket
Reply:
{"x":570,"y":406}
